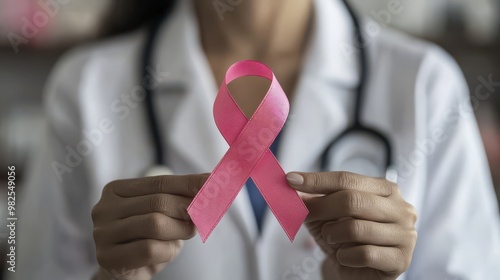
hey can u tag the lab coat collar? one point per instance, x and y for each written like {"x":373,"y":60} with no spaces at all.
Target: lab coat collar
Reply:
{"x":315,"y":114}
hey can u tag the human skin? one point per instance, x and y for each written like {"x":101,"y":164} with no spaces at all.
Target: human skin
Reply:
{"x":140,"y":224}
{"x":363,"y":224}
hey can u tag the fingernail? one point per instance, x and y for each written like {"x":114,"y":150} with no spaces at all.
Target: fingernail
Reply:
{"x":295,"y":179}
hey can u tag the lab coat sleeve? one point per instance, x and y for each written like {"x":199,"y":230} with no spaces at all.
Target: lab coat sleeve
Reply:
{"x":55,"y":229}
{"x":459,"y":229}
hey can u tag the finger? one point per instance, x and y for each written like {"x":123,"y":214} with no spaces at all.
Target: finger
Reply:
{"x":141,"y":253}
{"x":185,"y":185}
{"x":150,"y":226}
{"x":331,"y":182}
{"x":354,"y":204}
{"x":386,"y":259}
{"x":363,"y":232}
{"x":171,"y":205}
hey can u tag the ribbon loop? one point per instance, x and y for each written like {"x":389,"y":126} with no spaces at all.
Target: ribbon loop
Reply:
{"x":248,"y":156}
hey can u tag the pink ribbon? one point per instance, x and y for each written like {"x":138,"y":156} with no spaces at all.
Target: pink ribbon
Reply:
{"x":248,"y":156}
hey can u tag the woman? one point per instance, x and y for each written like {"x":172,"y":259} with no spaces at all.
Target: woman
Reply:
{"x":359,"y":226}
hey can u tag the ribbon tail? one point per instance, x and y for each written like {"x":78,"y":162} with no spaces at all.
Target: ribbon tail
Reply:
{"x":284,"y":202}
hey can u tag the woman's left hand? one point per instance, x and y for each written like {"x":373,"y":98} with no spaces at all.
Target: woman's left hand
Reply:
{"x":363,"y":224}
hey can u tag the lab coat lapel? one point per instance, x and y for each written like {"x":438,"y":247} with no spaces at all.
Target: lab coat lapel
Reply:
{"x":193,"y":133}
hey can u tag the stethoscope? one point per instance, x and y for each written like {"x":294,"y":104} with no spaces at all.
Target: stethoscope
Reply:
{"x":357,"y":130}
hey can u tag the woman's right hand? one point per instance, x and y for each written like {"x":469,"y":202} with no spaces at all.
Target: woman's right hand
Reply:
{"x":140,"y":224}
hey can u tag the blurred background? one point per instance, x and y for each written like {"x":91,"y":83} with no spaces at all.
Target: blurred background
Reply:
{"x":34,"y":34}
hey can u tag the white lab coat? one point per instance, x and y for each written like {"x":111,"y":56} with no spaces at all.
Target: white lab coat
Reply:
{"x":416,"y":95}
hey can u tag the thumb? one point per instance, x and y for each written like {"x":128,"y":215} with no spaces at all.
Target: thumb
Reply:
{"x":296,"y":181}
{"x":305,"y":183}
